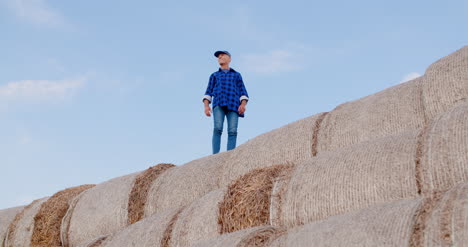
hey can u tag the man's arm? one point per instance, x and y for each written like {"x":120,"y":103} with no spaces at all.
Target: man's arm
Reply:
{"x":244,"y":95}
{"x":209,"y":94}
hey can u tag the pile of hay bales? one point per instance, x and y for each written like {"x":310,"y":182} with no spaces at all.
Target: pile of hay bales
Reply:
{"x":388,"y":169}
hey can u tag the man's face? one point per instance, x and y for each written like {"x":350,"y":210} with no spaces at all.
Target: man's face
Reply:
{"x":224,"y":59}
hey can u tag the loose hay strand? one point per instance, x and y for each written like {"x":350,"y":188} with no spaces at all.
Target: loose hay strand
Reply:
{"x":166,"y":239}
{"x":421,"y":218}
{"x":247,"y":200}
{"x":139,"y":194}
{"x":48,"y":220}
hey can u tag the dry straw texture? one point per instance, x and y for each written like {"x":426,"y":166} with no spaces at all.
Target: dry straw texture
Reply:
{"x":291,"y":143}
{"x":444,"y":154}
{"x":48,"y":220}
{"x":182,"y":185}
{"x":446,"y":83}
{"x":349,"y":179}
{"x":406,"y":106}
{"x":447,"y":223}
{"x":248,"y":199}
{"x":389,"y":224}
{"x":98,"y":211}
{"x":148,"y":232}
{"x":260,"y":236}
{"x":387,"y":112}
{"x":6,"y":217}
{"x":198,"y":221}
{"x":21,"y":229}
{"x":381,"y":170}
{"x":139,"y":194}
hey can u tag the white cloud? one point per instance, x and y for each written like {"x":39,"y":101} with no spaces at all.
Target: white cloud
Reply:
{"x":410,"y":76}
{"x":35,"y":11}
{"x":40,"y":89}
{"x":271,"y":62}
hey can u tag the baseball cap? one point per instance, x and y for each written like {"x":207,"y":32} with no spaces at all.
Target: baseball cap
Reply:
{"x":216,"y":54}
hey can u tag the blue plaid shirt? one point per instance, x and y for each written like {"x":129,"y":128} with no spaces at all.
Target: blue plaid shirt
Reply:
{"x":226,"y":89}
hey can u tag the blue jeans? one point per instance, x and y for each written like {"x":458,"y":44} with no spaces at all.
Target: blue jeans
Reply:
{"x":232,"y":119}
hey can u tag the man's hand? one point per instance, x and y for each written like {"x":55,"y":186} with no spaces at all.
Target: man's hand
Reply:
{"x":207,"y":111}
{"x":242,"y":107}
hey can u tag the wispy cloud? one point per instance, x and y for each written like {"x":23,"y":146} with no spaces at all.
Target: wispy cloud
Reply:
{"x":35,"y":11}
{"x":33,"y":90}
{"x":410,"y":76}
{"x":274,"y":61}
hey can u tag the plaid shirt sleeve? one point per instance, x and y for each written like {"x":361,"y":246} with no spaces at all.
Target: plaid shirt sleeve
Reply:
{"x":241,"y":87}
{"x":210,"y":88}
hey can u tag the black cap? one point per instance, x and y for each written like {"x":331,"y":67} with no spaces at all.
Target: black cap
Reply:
{"x":216,"y":54}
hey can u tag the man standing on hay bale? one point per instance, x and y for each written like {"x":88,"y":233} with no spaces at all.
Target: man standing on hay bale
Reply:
{"x":227,"y":92}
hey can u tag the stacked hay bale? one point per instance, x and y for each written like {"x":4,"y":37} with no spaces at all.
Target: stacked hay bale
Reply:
{"x":6,"y":217}
{"x":21,"y":229}
{"x":108,"y":207}
{"x":39,"y":223}
{"x":184,"y":184}
{"x":407,"y":106}
{"x":438,"y":220}
{"x":291,"y":144}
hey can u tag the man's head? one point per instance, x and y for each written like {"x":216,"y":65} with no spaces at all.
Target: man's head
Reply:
{"x":224,"y":57}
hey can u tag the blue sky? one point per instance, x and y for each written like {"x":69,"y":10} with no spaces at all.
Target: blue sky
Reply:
{"x":91,"y":90}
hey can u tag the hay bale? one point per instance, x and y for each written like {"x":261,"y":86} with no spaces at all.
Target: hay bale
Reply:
{"x":48,"y":220}
{"x":444,"y":151}
{"x":198,"y":221}
{"x":407,"y":106}
{"x":388,"y":224}
{"x":387,"y":112}
{"x":251,"y":237}
{"x":98,"y":211}
{"x":139,"y":194}
{"x":447,"y":223}
{"x":349,"y":179}
{"x":247,"y":202}
{"x":97,"y":242}
{"x":108,"y":207}
{"x":6,"y":217}
{"x":21,"y":229}
{"x":184,"y":184}
{"x":292,"y":143}
{"x":446,"y":83}
{"x":150,"y":231}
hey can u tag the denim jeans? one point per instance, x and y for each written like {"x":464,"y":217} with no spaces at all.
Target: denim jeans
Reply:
{"x":232,"y":119}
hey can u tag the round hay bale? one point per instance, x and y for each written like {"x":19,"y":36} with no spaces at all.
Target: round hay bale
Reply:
{"x":407,"y":106}
{"x":21,"y":229}
{"x":139,"y":193}
{"x":184,"y":184}
{"x":446,"y":83}
{"x":391,"y":111}
{"x":444,"y":151}
{"x":48,"y":220}
{"x":351,"y":178}
{"x":108,"y":207}
{"x":260,"y":236}
{"x":98,"y":211}
{"x":148,"y":232}
{"x":391,"y":168}
{"x":247,"y":202}
{"x":292,"y":143}
{"x":6,"y":217}
{"x":388,"y":224}
{"x":198,"y":221}
{"x":447,"y":223}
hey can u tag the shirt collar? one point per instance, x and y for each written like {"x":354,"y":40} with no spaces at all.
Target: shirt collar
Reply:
{"x":230,"y":70}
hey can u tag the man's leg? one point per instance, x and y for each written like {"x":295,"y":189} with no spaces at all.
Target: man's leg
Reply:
{"x":218,"y":117}
{"x":232,"y":120}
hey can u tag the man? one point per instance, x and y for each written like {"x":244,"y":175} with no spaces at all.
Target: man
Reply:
{"x":227,"y":92}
